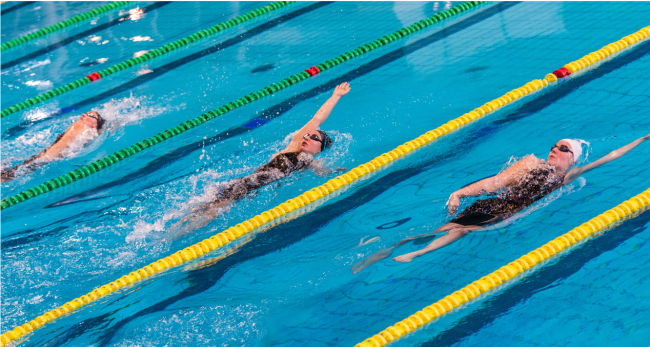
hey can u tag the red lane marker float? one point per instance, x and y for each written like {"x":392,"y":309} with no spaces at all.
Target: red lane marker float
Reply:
{"x":313,"y":71}
{"x":563,"y":72}
{"x":94,"y":76}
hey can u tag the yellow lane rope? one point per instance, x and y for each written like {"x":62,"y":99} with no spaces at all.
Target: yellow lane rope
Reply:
{"x":233,"y":233}
{"x":504,"y":274}
{"x":470,"y":293}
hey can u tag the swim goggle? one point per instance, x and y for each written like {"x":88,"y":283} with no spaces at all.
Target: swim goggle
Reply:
{"x":562,"y":148}
{"x":313,"y":137}
{"x":92,"y":114}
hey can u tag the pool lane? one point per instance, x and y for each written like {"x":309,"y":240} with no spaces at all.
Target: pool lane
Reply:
{"x":167,"y":67}
{"x":70,"y":39}
{"x":16,"y":7}
{"x":292,"y":232}
{"x":287,"y":105}
{"x":502,"y":303}
{"x":74,"y":331}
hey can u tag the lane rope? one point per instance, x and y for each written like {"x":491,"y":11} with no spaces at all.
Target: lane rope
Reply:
{"x":521,"y":266}
{"x":317,"y":194}
{"x":61,"y":25}
{"x":471,"y":292}
{"x":118,"y":156}
{"x":271,"y":216}
{"x":198,"y":36}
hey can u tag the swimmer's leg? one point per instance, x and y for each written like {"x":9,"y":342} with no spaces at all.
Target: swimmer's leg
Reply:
{"x":453,"y":235}
{"x":445,"y":227}
{"x":387,"y":252}
{"x":200,"y":216}
{"x":375,"y":257}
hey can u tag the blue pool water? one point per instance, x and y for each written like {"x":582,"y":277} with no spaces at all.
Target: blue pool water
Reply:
{"x":291,"y":285}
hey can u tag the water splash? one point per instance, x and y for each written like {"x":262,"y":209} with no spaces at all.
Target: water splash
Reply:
{"x":183,"y":196}
{"x":130,"y":110}
{"x":40,"y":85}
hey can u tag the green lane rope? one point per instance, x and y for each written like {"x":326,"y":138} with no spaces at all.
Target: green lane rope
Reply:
{"x":58,"y":26}
{"x":118,"y":156}
{"x":149,"y":55}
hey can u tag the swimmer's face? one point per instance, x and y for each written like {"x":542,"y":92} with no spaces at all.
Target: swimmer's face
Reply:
{"x":89,"y":120}
{"x":309,"y":145}
{"x":560,"y":159}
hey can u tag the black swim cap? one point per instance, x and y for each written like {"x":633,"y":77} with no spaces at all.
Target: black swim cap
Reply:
{"x":327,"y":141}
{"x":100,"y":121}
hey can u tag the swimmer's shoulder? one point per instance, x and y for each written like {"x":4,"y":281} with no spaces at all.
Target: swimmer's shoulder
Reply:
{"x":68,"y":137}
{"x":531,"y":160}
{"x":523,"y":166}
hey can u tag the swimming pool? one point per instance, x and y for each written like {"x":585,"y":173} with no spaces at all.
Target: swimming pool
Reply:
{"x":292,"y":284}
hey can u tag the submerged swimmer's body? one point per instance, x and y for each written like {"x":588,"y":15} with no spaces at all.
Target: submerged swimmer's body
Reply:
{"x":90,"y":122}
{"x":525,"y":182}
{"x":299,"y":154}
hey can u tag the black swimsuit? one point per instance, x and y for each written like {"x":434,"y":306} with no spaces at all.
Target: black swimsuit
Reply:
{"x":535,"y":185}
{"x":279,"y":167}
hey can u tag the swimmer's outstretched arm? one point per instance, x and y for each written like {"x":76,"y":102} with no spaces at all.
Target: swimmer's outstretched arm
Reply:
{"x":319,"y":118}
{"x":493,"y":184}
{"x":577,"y":171}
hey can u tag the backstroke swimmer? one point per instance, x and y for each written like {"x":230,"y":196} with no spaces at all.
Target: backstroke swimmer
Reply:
{"x":83,"y":130}
{"x":299,"y":155}
{"x":516,"y":188}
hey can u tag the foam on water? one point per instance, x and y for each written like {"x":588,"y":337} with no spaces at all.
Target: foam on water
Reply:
{"x":131,"y":110}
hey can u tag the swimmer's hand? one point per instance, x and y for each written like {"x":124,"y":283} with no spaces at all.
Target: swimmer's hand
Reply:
{"x":342,"y":89}
{"x":453,"y":203}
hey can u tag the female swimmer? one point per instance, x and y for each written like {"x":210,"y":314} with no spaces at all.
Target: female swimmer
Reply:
{"x":308,"y":142}
{"x":516,"y":188}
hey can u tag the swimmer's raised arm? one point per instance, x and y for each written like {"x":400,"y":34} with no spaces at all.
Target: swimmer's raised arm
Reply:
{"x":577,"y":171}
{"x":493,"y":184}
{"x":319,"y":118}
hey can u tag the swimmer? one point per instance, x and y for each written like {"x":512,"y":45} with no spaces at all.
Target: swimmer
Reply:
{"x":308,"y":142}
{"x":525,"y":182}
{"x":90,"y":122}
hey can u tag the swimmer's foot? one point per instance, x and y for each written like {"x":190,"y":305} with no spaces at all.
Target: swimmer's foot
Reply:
{"x":407,"y":257}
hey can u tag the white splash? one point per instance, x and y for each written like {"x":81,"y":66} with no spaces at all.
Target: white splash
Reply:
{"x":182,"y":196}
{"x":76,"y":147}
{"x":140,"y":38}
{"x":40,"y":85}
{"x":134,"y":14}
{"x":119,"y":113}
{"x":142,"y":229}
{"x":121,"y":258}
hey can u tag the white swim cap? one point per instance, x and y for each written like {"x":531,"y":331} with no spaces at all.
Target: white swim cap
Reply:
{"x":576,"y":148}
